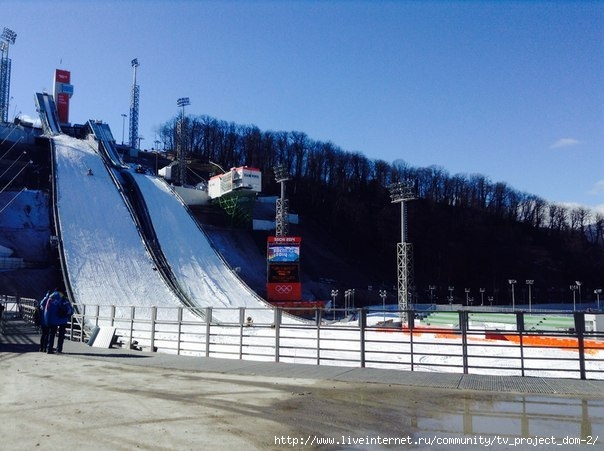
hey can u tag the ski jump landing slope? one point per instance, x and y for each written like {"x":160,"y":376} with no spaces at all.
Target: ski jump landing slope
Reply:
{"x":199,"y":270}
{"x":105,"y":258}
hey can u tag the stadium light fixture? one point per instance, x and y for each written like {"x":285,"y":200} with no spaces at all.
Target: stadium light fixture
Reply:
{"x":574,"y":289}
{"x":402,"y":192}
{"x":512,"y":282}
{"x":530,"y":283}
{"x":9,"y":36}
{"x":450,"y":297}
{"x":334,"y":295}
{"x":182,"y":103}
{"x":383,"y":295}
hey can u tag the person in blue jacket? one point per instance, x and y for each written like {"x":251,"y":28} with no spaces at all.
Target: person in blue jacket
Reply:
{"x":39,"y":320}
{"x":57,"y":312}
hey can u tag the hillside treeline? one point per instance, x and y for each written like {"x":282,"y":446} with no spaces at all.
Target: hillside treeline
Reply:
{"x":467,"y":230}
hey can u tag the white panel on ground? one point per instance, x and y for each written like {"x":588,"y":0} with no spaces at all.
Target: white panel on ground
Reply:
{"x":104,"y":337}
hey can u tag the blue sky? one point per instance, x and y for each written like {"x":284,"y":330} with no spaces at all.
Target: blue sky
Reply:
{"x":510,"y":90}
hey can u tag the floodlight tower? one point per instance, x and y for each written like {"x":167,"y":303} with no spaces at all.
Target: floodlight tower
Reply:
{"x":182,"y":166}
{"x":8,"y":37}
{"x":134,"y":97}
{"x":402,"y":192}
{"x":282,"y":216}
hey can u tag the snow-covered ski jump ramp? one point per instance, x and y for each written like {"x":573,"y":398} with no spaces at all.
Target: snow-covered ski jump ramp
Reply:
{"x":200,"y":271}
{"x":105,"y":257}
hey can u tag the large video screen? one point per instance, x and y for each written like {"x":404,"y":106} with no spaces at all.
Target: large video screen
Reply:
{"x":283,"y":249}
{"x":283,"y":273}
{"x":283,"y":254}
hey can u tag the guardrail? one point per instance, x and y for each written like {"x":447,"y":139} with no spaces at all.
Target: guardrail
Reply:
{"x":473,"y":345}
{"x":506,"y":348}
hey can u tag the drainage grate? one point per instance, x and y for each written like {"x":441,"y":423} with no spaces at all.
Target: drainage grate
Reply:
{"x":575,"y":386}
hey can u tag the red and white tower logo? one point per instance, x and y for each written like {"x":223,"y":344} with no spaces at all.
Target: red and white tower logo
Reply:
{"x":63,"y":90}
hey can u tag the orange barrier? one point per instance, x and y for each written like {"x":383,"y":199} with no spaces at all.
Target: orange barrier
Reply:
{"x":438,"y":332}
{"x":546,"y":341}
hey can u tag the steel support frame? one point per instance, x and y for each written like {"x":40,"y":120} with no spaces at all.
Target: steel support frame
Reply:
{"x":134,"y":106}
{"x":181,"y":153}
{"x":405,"y":278}
{"x":282,"y":217}
{"x":5,"y":65}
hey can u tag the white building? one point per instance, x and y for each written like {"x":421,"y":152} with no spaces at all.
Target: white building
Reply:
{"x":239,"y":178}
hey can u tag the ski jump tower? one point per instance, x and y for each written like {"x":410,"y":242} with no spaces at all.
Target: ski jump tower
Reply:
{"x":8,"y":37}
{"x":134,"y":107}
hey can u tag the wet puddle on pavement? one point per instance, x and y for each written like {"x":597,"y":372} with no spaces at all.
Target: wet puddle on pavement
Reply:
{"x":539,"y":420}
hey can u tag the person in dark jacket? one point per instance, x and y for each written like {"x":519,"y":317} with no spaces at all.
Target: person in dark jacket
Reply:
{"x":57,"y":313}
{"x":39,"y":319}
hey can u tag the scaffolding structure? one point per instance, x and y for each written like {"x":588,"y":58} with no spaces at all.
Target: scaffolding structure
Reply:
{"x":134,"y":98}
{"x":182,"y":140}
{"x":282,"y":204}
{"x":402,"y":192}
{"x":6,"y":39}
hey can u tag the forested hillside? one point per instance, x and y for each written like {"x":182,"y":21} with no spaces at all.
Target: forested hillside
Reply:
{"x":467,"y":231}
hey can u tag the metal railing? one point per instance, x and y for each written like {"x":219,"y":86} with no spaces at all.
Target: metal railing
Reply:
{"x":508,"y":343}
{"x":504,"y":347}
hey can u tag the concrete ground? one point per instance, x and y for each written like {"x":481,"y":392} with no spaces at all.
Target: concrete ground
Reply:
{"x":115,"y":399}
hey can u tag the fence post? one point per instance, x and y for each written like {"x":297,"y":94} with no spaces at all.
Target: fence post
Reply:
{"x":208,"y":325}
{"x":132,"y":313}
{"x":520,"y":329}
{"x":179,"y":330}
{"x":153,"y":320}
{"x":83,"y":319}
{"x":463,"y":327}
{"x":318,"y":318}
{"x":71,"y":324}
{"x":362,"y":315}
{"x":411,"y":319}
{"x":580,"y":331}
{"x":277,"y":332}
{"x":241,"y":323}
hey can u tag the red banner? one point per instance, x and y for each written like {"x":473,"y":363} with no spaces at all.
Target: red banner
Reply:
{"x":62,"y":76}
{"x":63,"y":108}
{"x":284,"y":239}
{"x":284,"y":291}
{"x":62,"y":80}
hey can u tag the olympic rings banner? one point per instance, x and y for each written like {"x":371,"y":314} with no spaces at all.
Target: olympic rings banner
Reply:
{"x":284,"y":291}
